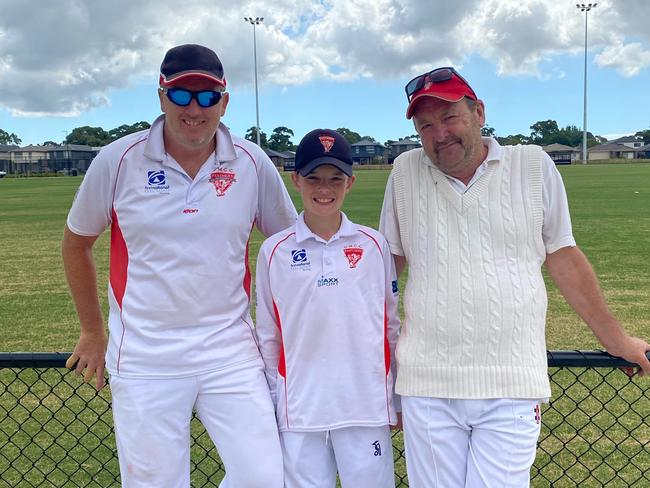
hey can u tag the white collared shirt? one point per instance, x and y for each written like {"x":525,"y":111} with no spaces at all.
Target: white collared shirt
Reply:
{"x":179,"y":277}
{"x":327,"y":324}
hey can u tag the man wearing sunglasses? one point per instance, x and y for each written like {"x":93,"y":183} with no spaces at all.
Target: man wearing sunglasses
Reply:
{"x":475,"y":222}
{"x":181,"y":199}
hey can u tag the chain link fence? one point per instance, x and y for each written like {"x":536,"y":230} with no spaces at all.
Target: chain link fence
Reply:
{"x":57,"y":432}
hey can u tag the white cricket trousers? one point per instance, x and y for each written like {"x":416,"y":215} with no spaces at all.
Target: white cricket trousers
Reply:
{"x":152,"y":427}
{"x":362,"y":455}
{"x":470,"y":443}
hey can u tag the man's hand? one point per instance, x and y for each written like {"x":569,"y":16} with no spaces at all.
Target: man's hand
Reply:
{"x":633,"y":350}
{"x":89,"y":355}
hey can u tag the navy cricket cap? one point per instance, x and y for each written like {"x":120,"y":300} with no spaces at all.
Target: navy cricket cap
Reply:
{"x":323,"y":146}
{"x":191,"y":61}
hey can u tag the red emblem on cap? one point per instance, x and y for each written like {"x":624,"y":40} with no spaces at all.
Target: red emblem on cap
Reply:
{"x":354,"y":254}
{"x":222,"y":179}
{"x":327,"y":142}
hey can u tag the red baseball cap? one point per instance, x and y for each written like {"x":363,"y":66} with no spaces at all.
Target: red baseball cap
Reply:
{"x":191,"y":61}
{"x":443,"y":83}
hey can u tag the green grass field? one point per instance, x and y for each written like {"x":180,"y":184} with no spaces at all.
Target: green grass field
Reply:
{"x":610,"y":206}
{"x":56,"y":431}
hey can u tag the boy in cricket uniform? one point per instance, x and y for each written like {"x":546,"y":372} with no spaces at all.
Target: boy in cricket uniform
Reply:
{"x":327,"y":324}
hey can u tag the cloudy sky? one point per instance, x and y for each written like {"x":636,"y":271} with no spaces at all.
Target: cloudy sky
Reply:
{"x":329,"y":63}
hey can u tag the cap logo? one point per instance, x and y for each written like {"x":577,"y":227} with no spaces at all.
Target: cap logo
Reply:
{"x":327,"y":142}
{"x":428,"y":84}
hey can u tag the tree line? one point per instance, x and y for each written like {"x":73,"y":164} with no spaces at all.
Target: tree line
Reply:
{"x":543,"y":132}
{"x":280,"y":139}
{"x":85,"y":136}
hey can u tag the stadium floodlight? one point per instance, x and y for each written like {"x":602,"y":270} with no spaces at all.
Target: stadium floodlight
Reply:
{"x":254,"y":21}
{"x":585,"y":8}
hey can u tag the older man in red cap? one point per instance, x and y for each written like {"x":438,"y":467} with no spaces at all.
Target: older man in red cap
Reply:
{"x":181,"y":200}
{"x":475,"y":222}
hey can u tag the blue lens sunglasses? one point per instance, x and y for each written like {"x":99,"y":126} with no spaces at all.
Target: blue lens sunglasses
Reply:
{"x":183,"y":97}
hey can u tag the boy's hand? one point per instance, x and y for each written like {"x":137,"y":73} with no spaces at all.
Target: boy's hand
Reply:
{"x":89,"y":355}
{"x":398,"y":425}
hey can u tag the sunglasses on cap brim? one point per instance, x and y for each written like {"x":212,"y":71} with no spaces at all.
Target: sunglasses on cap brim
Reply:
{"x":183,"y":97}
{"x":438,"y":75}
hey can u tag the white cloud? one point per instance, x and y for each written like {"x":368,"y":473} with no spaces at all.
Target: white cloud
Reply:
{"x":64,"y":57}
{"x":628,"y":59}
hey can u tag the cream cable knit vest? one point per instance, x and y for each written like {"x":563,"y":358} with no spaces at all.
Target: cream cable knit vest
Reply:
{"x":475,"y":299}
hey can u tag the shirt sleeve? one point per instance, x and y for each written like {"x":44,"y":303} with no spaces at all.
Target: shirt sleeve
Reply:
{"x":556,"y":228}
{"x":392,"y":312}
{"x":275,"y":211}
{"x":90,"y":213}
{"x":388,"y":222}
{"x":266,"y":328}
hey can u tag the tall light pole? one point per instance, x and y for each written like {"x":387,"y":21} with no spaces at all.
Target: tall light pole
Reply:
{"x":255,"y":21}
{"x":585,"y":8}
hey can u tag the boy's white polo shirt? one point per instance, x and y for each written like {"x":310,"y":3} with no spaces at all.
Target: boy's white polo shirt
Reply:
{"x":179,"y":277}
{"x":327,"y":324}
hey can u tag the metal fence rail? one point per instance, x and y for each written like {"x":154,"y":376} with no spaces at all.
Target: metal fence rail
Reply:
{"x":57,"y":432}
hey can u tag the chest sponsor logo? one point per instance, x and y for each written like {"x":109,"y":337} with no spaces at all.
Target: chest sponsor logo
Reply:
{"x":222,"y":179}
{"x":327,"y":282}
{"x":156,"y":182}
{"x":299,"y":259}
{"x":354,"y":255}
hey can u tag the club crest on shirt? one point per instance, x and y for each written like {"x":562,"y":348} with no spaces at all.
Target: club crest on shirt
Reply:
{"x":222,"y":179}
{"x":354,"y":255}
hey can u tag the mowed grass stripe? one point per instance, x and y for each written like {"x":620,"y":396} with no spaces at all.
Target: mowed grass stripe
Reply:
{"x":610,"y":214}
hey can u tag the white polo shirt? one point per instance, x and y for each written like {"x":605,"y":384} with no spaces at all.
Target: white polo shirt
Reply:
{"x":179,"y":278}
{"x":327,"y":324}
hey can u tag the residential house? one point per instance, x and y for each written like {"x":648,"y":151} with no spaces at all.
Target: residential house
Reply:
{"x":368,"y":152}
{"x":5,"y":157}
{"x":70,"y":159}
{"x":398,"y":147}
{"x":30,"y":160}
{"x":611,"y":151}
{"x":285,"y":160}
{"x":629,"y":141}
{"x":643,"y":152}
{"x":562,"y":154}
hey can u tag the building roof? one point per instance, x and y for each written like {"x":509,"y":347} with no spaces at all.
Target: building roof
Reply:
{"x":559,"y":148}
{"x":623,"y":139}
{"x":277,"y":154}
{"x":367,"y":142}
{"x":406,"y":140}
{"x":7,"y":147}
{"x":75,"y":147}
{"x":32,"y":148}
{"x":609,"y":146}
